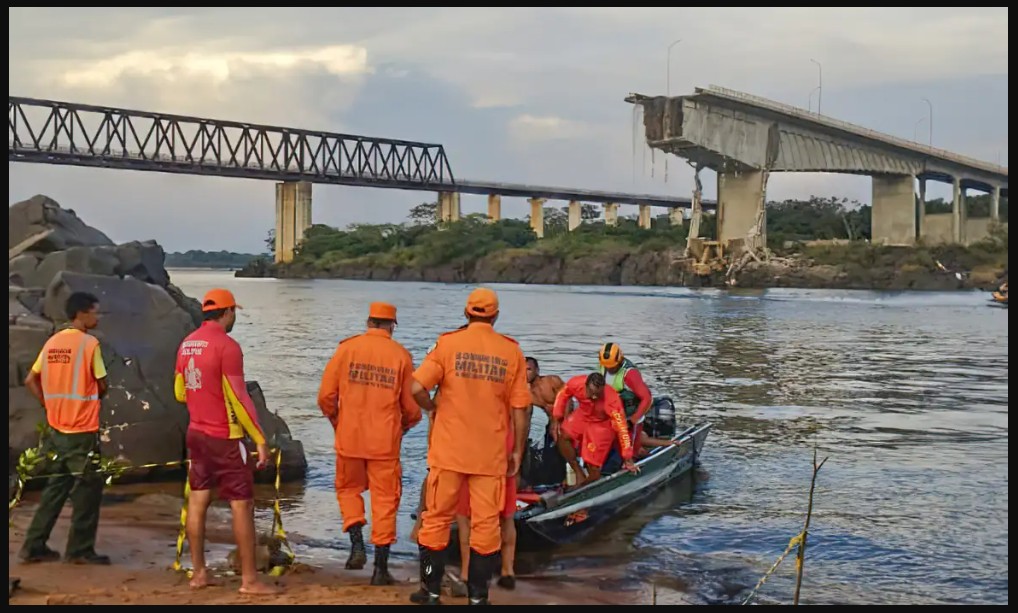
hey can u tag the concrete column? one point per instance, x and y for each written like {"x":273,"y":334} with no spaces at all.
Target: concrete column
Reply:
{"x":963,"y":216}
{"x":740,"y":197}
{"x":995,"y":203}
{"x":921,"y":204}
{"x":644,"y":218}
{"x":293,"y":217}
{"x":494,"y":207}
{"x":676,"y":217}
{"x":575,"y":218}
{"x":893,"y":216}
{"x":537,"y":216}
{"x":448,"y":206}
{"x":956,"y":203}
{"x":611,"y":214}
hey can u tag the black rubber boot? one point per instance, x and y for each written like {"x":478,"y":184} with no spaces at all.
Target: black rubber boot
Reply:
{"x":479,"y":576}
{"x":432,"y":570}
{"x":381,"y":575}
{"x":358,"y":556}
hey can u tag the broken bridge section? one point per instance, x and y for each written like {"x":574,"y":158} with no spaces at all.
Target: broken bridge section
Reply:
{"x":744,"y":138}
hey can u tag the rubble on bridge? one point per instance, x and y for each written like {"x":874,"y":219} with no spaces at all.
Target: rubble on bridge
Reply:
{"x":53,"y":253}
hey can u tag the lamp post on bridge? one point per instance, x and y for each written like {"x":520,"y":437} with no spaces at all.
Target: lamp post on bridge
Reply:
{"x":820,"y":86}
{"x":930,"y":105}
{"x":668,"y":88}
{"x":915,"y":132}
{"x":809,"y":106}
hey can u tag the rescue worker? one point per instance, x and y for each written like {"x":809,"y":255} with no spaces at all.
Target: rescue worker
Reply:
{"x":209,"y":378}
{"x":590,"y":426}
{"x":69,"y":378}
{"x":623,"y":377}
{"x":365,"y":393}
{"x":482,"y":381}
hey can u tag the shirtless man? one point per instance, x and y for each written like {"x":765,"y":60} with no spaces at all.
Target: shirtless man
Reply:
{"x":543,"y":389}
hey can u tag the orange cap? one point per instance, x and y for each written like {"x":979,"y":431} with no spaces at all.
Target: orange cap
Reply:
{"x":382,"y":310}
{"x":482,"y":302}
{"x":217,"y":299}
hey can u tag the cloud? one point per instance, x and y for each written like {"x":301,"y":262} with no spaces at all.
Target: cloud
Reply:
{"x":217,"y":68}
{"x":529,"y":127}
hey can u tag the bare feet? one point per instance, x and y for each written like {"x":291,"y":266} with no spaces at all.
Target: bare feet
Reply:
{"x":200,"y":579}
{"x":257,"y":588}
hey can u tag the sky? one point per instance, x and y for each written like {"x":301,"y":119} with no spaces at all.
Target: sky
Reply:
{"x":521,"y":95}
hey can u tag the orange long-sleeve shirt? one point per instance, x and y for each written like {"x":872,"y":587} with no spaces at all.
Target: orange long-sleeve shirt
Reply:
{"x":365,"y":392}
{"x":604,"y":411}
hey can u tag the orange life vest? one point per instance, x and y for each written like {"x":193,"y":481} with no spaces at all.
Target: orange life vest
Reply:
{"x":68,"y":382}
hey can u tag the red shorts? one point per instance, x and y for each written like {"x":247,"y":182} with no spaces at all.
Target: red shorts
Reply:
{"x":219,"y":462}
{"x":508,"y":510}
{"x":594,"y":438}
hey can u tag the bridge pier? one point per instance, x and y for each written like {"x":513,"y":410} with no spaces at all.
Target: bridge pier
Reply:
{"x":921,"y":210}
{"x":293,"y":217}
{"x":494,"y":207}
{"x":995,"y":204}
{"x":575,"y":215}
{"x":957,"y":204}
{"x":643,"y":220}
{"x":537,"y":216}
{"x":893,"y":217}
{"x":740,"y":202}
{"x":448,"y":206}
{"x":611,"y":214}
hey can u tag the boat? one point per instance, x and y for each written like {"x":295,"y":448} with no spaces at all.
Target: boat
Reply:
{"x":550,"y":517}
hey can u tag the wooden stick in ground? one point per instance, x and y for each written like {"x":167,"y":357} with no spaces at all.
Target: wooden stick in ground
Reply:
{"x":800,"y":558}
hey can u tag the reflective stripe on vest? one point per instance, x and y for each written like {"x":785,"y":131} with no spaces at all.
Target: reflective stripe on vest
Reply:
{"x":79,"y":357}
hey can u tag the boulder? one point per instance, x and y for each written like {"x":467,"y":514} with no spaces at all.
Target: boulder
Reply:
{"x":144,"y":319}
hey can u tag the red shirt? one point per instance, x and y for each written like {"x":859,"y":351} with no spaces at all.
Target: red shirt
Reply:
{"x":209,"y":377}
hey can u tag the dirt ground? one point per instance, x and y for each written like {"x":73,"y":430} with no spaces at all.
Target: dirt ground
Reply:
{"x":140,"y":537}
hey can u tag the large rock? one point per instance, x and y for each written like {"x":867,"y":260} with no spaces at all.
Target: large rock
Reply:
{"x":144,"y":319}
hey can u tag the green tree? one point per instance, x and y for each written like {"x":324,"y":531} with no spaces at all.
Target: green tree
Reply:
{"x":424,"y":214}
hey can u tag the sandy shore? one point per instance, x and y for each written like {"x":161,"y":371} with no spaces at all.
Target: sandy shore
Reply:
{"x":139,"y":534}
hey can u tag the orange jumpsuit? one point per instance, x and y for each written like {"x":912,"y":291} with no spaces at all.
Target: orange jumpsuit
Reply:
{"x":365,"y":392}
{"x":481,"y":376}
{"x":590,"y":425}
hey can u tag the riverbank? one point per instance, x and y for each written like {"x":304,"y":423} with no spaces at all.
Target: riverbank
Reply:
{"x":138,"y":531}
{"x":835,"y":266}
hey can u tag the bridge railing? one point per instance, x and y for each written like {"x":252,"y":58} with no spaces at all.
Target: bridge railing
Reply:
{"x":904,"y":143}
{"x":61,"y":132}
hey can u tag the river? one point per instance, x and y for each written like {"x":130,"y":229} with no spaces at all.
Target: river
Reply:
{"x":906,"y":393}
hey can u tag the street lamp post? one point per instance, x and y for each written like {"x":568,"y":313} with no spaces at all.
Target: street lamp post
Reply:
{"x":915,"y":132}
{"x":820,"y":87}
{"x":930,"y":105}
{"x":810,"y":104}
{"x":668,"y":89}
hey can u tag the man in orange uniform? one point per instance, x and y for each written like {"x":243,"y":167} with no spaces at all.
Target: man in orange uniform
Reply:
{"x":69,"y":378}
{"x":365,"y":393}
{"x":482,"y":381}
{"x":543,"y":390}
{"x":209,"y":378}
{"x":590,"y":426}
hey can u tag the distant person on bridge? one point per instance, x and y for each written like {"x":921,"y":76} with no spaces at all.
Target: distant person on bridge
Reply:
{"x":69,"y":378}
{"x":590,"y":426}
{"x":481,"y":376}
{"x":365,"y":393}
{"x":623,"y":377}
{"x":209,"y":378}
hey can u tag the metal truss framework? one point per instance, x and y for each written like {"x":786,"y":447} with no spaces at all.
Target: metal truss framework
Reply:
{"x":50,"y":132}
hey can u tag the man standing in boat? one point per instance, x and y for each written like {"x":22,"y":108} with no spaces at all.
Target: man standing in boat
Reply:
{"x":590,"y":426}
{"x":623,"y":377}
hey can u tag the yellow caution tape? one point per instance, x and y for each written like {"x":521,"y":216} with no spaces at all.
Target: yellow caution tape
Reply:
{"x":792,"y":544}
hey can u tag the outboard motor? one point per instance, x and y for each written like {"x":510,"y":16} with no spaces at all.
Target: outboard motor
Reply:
{"x":660,"y":419}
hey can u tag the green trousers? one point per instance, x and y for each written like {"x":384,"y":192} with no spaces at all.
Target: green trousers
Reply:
{"x":74,"y":453}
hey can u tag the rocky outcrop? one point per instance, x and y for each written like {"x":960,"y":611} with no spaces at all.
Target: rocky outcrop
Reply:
{"x":144,"y":318}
